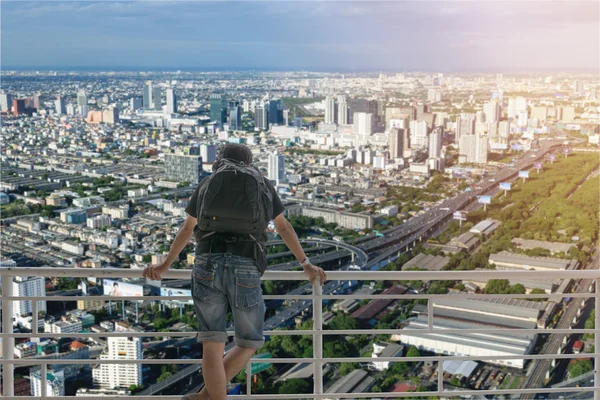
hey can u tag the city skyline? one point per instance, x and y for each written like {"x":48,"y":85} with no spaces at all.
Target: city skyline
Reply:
{"x":349,"y":36}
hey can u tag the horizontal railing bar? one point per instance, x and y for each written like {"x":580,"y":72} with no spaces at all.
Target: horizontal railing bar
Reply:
{"x":310,"y":297}
{"x":333,"y":360}
{"x":332,"y":275}
{"x":345,"y":395}
{"x":307,"y":332}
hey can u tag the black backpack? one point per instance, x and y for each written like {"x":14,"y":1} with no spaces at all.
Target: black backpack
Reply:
{"x":234,"y":199}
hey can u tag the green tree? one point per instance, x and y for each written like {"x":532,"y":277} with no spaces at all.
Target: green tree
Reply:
{"x":455,"y":382}
{"x":343,"y":322}
{"x":295,"y":386}
{"x":497,"y":286}
{"x":538,"y":291}
{"x":579,"y":367}
{"x":346,"y":368}
{"x":413,"y":352}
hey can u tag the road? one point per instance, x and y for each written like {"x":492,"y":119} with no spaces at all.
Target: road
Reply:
{"x":539,"y":368}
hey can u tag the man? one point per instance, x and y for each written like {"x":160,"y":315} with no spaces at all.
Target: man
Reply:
{"x":227,"y":273}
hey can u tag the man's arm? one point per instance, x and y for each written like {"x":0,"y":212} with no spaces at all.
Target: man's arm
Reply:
{"x":288,"y":234}
{"x":181,"y":240}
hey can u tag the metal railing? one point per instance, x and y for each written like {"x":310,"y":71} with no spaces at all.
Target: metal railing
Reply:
{"x":8,"y":361}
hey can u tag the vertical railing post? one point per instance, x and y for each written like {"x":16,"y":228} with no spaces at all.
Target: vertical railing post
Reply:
{"x":440,"y":384}
{"x":249,"y":378}
{"x":597,"y":337}
{"x":8,"y":343}
{"x":318,"y":337}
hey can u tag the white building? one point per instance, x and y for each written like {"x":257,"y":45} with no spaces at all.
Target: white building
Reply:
{"x":120,"y":212}
{"x":55,"y":383}
{"x":99,"y":221}
{"x":171,"y":101}
{"x":28,"y":287}
{"x":363,"y":124}
{"x":329,"y":110}
{"x":491,"y":110}
{"x":418,"y":134}
{"x":473,"y":149}
{"x":379,"y":162}
{"x":66,"y":325}
{"x":435,"y":144}
{"x":208,"y":152}
{"x":110,"y":376}
{"x":342,"y":111}
{"x":276,"y":167}
{"x":516,"y":105}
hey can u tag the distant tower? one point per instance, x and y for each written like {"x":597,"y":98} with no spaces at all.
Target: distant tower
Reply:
{"x":147,"y":99}
{"x":82,"y":98}
{"x":276,"y":167}
{"x":171,"y":101}
{"x":216,"y":108}
{"x":235,"y":118}
{"x":396,"y":142}
{"x":435,"y":144}
{"x":157,"y":98}
{"x":261,"y":117}
{"x":329,"y":110}
{"x":60,"y":105}
{"x":342,"y":111}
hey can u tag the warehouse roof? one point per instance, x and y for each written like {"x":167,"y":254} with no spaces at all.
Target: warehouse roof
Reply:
{"x":506,"y":257}
{"x":463,"y":368}
{"x":485,"y":227}
{"x":428,"y":262}
{"x":374,"y":307}
{"x":348,"y":383}
{"x":466,"y":240}
{"x":507,"y":307}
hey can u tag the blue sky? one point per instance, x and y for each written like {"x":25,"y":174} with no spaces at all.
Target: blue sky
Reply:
{"x":337,"y":35}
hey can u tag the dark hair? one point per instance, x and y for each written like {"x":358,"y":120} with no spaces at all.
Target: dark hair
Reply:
{"x":237,"y":152}
{"x":116,"y":284}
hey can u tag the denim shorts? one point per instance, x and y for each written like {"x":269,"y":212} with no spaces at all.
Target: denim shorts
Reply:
{"x":228,"y":280}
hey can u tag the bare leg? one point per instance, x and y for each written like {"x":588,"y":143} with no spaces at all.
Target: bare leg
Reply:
{"x":213,"y":370}
{"x":234,"y":361}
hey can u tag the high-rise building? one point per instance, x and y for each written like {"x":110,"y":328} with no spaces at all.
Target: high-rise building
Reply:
{"x":363,"y":124}
{"x":157,"y":98}
{"x":473,"y":148}
{"x":171,"y":101}
{"x":82,"y":98}
{"x":276,"y":168}
{"x":235,"y":118}
{"x":37,"y":104}
{"x":568,"y":114}
{"x":217,"y":112}
{"x":18,"y":106}
{"x":286,"y":117}
{"x":465,"y":125}
{"x":434,"y":95}
{"x":28,"y":287}
{"x":148,"y":102}
{"x":276,"y":112}
{"x":329,"y":110}
{"x":261,"y":117}
{"x":110,"y":376}
{"x":418,"y":134}
{"x":110,"y":115}
{"x":435,"y":144}
{"x":491,"y":110}
{"x":579,"y":87}
{"x":398,"y":142}
{"x":539,"y":112}
{"x":135,"y":103}
{"x":60,"y":105}
{"x":5,"y":102}
{"x":342,"y":112}
{"x":503,"y":131}
{"x":208,"y":152}
{"x":55,"y":383}
{"x":516,"y":105}
{"x":182,"y":168}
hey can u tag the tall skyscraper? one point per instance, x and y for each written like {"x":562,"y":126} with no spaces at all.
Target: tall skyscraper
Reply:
{"x":82,"y":98}
{"x":363,"y":124}
{"x":503,"y":131}
{"x":491,"y":110}
{"x":135,"y":103}
{"x":235,"y":118}
{"x":171,"y":101}
{"x":579,"y":87}
{"x":329,"y":110}
{"x":37,"y":102}
{"x":182,"y":168}
{"x":148,"y":102}
{"x":473,"y":148}
{"x":18,"y":106}
{"x":516,"y":105}
{"x":60,"y":105}
{"x":110,"y":376}
{"x":261,"y":117}
{"x":286,"y":117}
{"x":110,"y":115}
{"x":418,"y":134}
{"x":208,"y":152}
{"x":216,"y":108}
{"x":342,"y":118}
{"x":465,"y":125}
{"x":5,"y":102}
{"x":28,"y":287}
{"x":157,"y":98}
{"x":276,"y":168}
{"x":435,"y":144}
{"x":397,"y":142}
{"x":275,"y":112}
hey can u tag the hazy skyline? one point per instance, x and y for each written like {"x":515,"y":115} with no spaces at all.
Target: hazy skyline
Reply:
{"x":367,"y":35}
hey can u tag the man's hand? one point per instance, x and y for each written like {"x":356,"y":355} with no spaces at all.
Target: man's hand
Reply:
{"x":155,"y":271}
{"x":313,"y":272}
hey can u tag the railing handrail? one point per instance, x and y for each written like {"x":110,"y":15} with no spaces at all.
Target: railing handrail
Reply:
{"x":8,"y":363}
{"x":483,"y":275}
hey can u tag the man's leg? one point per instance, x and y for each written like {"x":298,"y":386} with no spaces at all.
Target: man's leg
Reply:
{"x":213,"y":370}
{"x":235,"y":360}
